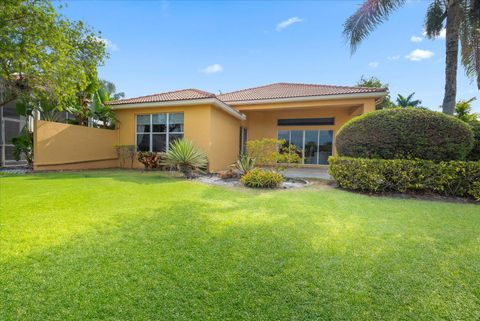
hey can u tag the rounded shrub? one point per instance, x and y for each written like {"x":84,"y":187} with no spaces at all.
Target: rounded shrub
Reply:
{"x":405,"y":133}
{"x":259,"y":178}
{"x":475,"y":152}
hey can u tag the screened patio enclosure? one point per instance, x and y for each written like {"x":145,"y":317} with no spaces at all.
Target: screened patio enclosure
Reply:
{"x":315,"y":146}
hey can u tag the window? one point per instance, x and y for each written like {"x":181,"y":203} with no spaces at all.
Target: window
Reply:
{"x":306,"y":121}
{"x":155,"y":132}
{"x":315,"y":145}
{"x":243,"y":140}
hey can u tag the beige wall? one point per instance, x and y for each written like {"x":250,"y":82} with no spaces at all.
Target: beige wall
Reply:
{"x":62,"y":146}
{"x":210,"y":129}
{"x":225,"y":139}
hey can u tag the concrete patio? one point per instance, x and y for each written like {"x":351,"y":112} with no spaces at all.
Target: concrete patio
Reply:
{"x":319,"y":173}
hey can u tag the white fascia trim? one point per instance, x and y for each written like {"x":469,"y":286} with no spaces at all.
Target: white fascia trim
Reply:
{"x":203,"y":101}
{"x":307,"y":98}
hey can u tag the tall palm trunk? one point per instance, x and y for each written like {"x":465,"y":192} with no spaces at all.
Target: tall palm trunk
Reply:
{"x":451,"y":58}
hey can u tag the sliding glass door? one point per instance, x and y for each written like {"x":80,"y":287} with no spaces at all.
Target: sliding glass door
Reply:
{"x":315,"y":145}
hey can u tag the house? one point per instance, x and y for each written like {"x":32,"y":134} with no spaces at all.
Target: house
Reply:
{"x":306,"y":115}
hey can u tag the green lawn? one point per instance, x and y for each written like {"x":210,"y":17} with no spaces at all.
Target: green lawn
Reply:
{"x":120,"y":245}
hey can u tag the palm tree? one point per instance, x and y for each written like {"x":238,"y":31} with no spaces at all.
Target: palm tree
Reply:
{"x":462,"y":20}
{"x":407,"y":101}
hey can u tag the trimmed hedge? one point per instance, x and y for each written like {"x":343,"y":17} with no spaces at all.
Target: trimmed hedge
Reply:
{"x":259,"y":178}
{"x":452,"y":178}
{"x":475,"y":153}
{"x":405,"y":133}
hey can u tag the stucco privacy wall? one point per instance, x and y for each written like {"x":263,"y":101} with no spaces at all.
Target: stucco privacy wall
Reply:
{"x":211,"y":130}
{"x":60,"y":146}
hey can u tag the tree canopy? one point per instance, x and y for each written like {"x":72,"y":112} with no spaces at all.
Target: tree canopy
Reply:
{"x":44,"y":55}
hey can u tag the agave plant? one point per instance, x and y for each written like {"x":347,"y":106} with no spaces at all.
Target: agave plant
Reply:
{"x":245,"y":164}
{"x":186,"y":157}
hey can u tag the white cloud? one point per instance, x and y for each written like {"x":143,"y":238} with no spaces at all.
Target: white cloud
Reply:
{"x":416,"y":39}
{"x":442,"y":35}
{"x":419,"y":54}
{"x":212,"y":69}
{"x":396,"y":57}
{"x":108,"y":43}
{"x":287,"y":23}
{"x":373,"y":64}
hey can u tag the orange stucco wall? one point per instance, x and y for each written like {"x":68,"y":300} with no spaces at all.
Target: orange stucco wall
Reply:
{"x":225,"y":139}
{"x":62,"y":146}
{"x":210,"y":129}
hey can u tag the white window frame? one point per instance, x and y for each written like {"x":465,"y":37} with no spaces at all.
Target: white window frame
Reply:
{"x":167,"y":133}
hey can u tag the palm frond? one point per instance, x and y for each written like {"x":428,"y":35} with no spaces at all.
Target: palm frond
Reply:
{"x":436,"y":15}
{"x":470,"y":40}
{"x":370,"y":14}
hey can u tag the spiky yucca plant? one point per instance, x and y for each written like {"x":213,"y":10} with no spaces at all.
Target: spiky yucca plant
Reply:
{"x":245,"y":164}
{"x":186,"y":157}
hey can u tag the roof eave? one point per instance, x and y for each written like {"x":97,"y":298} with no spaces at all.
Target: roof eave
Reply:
{"x":378,"y":94}
{"x":201,"y":101}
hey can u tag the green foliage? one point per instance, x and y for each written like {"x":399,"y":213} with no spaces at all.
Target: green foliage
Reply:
{"x":150,"y":160}
{"x":289,"y":154}
{"x":44,"y":54}
{"x":260,"y":178}
{"x":405,"y":133}
{"x":273,"y":152}
{"x":404,"y":102}
{"x":463,"y":110}
{"x":186,"y":157}
{"x":474,"y":154}
{"x":264,"y":150}
{"x":374,"y":82}
{"x":47,"y":109}
{"x":125,"y":153}
{"x":245,"y":164}
{"x":23,"y":146}
{"x":453,"y":178}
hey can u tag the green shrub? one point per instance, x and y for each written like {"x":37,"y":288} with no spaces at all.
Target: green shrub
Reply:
{"x":23,"y":146}
{"x":150,"y":160}
{"x":259,"y":178}
{"x":186,"y":157}
{"x":245,"y":164}
{"x":474,"y":154}
{"x":405,"y":133}
{"x":273,"y":152}
{"x":125,"y":153}
{"x":452,"y":178}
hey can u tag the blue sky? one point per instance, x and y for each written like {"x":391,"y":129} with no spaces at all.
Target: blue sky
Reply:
{"x":158,"y":46}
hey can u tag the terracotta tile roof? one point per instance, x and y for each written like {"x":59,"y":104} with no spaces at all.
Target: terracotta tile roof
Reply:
{"x":291,"y":90}
{"x":185,"y":94}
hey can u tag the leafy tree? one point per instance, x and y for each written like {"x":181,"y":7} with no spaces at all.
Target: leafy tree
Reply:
{"x":403,"y":101}
{"x":111,"y":90}
{"x":461,"y":19}
{"x":44,"y":54}
{"x":374,"y":82}
{"x":463,"y":111}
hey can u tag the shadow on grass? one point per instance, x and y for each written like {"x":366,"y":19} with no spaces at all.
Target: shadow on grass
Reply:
{"x":126,"y":175}
{"x":224,"y":259}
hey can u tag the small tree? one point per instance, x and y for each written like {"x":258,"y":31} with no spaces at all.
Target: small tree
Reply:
{"x":374,"y":82}
{"x":273,"y":152}
{"x":463,"y":110}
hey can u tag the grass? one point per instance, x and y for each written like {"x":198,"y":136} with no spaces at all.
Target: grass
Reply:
{"x":120,"y":245}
